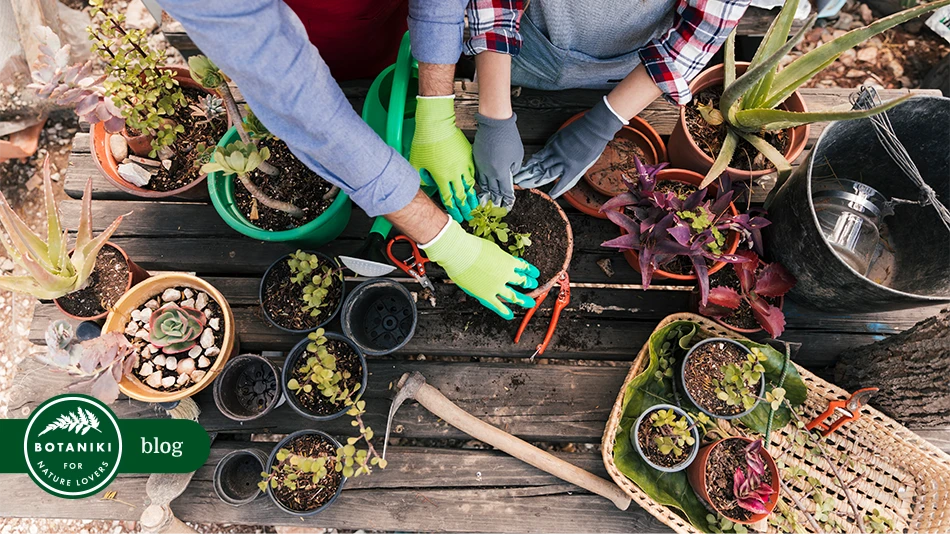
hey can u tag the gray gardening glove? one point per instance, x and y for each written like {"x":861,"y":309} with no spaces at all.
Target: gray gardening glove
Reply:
{"x":498,"y":153}
{"x":571,"y":151}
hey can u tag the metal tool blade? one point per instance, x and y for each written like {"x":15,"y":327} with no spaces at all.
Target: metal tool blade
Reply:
{"x":370,"y":269}
{"x":860,"y":398}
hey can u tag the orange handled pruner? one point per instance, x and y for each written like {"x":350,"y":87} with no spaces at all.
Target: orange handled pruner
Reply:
{"x":847,"y":410}
{"x":563,"y":297}
{"x":415,"y":265}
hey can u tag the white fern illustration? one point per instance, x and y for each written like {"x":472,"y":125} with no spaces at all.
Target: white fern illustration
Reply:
{"x":80,"y":422}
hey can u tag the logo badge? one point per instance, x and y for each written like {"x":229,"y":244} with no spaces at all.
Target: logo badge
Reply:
{"x":73,"y":446}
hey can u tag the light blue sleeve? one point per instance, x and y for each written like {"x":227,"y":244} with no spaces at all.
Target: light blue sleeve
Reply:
{"x":263,"y":47}
{"x":435,"y":30}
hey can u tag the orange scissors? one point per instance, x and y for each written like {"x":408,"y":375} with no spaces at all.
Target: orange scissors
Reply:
{"x":415,"y":265}
{"x":563,"y":298}
{"x":847,"y":410}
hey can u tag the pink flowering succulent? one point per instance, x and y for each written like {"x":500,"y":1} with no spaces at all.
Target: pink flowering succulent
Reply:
{"x":750,"y":490}
{"x":772,"y":281}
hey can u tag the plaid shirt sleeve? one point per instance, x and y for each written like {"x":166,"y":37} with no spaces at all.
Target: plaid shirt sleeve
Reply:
{"x":494,"y":26}
{"x":700,"y":27}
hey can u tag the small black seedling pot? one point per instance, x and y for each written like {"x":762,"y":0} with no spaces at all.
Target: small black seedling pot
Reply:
{"x":328,"y":315}
{"x":237,"y":474}
{"x":272,"y":459}
{"x":380,"y":316}
{"x":247,"y":388}
{"x":682,"y":378}
{"x":293,"y":360}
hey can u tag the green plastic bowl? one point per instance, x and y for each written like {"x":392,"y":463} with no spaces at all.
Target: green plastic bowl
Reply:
{"x":316,"y":233}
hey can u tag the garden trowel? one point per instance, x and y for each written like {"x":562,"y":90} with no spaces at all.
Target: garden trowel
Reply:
{"x":369,"y":260}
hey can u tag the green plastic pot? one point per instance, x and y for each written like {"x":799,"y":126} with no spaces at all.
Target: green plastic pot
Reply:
{"x":316,"y":233}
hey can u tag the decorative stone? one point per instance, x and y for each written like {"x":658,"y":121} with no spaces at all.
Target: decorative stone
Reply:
{"x":145,"y":354}
{"x":167,"y":163}
{"x":203,"y":362}
{"x":159,"y":360}
{"x":131,"y":328}
{"x":207,"y":338}
{"x":136,"y":315}
{"x":194,"y":352}
{"x":198,"y":375}
{"x":188,"y":293}
{"x":166,"y":153}
{"x":201,"y":301}
{"x":145,"y":162}
{"x":207,"y":313}
{"x":146,"y":369}
{"x":182,"y":380}
{"x":186,"y":366}
{"x":119,"y":147}
{"x":145,"y":314}
{"x":142,"y":334}
{"x":134,"y":173}
{"x":171,"y":363}
{"x":151,"y":348}
{"x":171,"y":295}
{"x":215,"y":323}
{"x":168,"y":381}
{"x":155,"y":379}
{"x":212,"y":351}
{"x":187,"y":303}
{"x":152,"y":304}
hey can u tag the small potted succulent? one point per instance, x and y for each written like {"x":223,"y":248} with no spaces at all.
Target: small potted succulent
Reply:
{"x":666,"y":438}
{"x":670,"y":229}
{"x":738,"y":478}
{"x":236,"y":476}
{"x":101,"y":362}
{"x":302,"y":291}
{"x":86,"y":281}
{"x":322,"y":374}
{"x":748,"y":298}
{"x":248,"y":388}
{"x":182,"y":331}
{"x":723,"y":378}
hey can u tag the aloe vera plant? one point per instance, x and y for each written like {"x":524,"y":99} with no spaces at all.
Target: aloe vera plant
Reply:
{"x":748,"y":102}
{"x":51,"y":272}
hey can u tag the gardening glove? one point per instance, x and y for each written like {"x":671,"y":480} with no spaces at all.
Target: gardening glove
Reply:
{"x":482,"y":269}
{"x":571,"y":151}
{"x":439,"y":147}
{"x":498,"y":154}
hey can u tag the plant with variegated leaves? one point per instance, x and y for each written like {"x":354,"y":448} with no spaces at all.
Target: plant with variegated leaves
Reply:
{"x":749,"y":489}
{"x":748,"y":102}
{"x":175,"y":328}
{"x":101,"y":361}
{"x":51,"y":272}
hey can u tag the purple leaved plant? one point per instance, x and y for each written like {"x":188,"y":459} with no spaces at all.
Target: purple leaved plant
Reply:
{"x":663,"y":225}
{"x":750,"y":490}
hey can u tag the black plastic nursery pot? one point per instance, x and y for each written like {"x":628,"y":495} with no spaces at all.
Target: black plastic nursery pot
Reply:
{"x":328,"y":314}
{"x":293,"y":360}
{"x":380,"y":316}
{"x":237,"y":474}
{"x":682,"y":377}
{"x":918,"y":273}
{"x":272,"y":459}
{"x":247,"y":388}
{"x":634,"y":436}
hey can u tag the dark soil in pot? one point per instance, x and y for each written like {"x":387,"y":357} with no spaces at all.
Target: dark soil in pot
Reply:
{"x":720,"y":472}
{"x":282,"y":299}
{"x":645,"y":437}
{"x":309,"y":496}
{"x":616,"y":162}
{"x":183,"y":171}
{"x":743,"y":316}
{"x":346,"y":360}
{"x":109,"y":281}
{"x":296,"y":184}
{"x":705,"y":365}
{"x":535,"y":215}
{"x":709,"y":138}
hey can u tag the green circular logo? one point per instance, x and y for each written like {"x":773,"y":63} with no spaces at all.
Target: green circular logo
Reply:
{"x":72,"y":446}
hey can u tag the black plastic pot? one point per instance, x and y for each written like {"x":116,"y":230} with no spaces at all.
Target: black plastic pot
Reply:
{"x":292,"y":361}
{"x":379,"y":316}
{"x":327,"y":316}
{"x":247,"y":388}
{"x":920,"y":274}
{"x":689,"y":354}
{"x":272,"y":459}
{"x":237,"y":474}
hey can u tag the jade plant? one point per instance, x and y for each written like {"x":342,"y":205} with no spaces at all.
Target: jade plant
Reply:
{"x":487,"y":222}
{"x":749,"y":488}
{"x":175,"y":328}
{"x":147,"y":95}
{"x":747,"y":107}
{"x":316,"y":277}
{"x":676,"y":436}
{"x":295,"y":467}
{"x":669,"y":224}
{"x":739,"y":383}
{"x":51,"y":271}
{"x":101,"y":361}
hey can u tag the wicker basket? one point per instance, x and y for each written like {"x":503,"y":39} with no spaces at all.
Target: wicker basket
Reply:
{"x":893,"y":469}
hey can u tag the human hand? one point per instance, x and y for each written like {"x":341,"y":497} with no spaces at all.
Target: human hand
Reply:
{"x":439,"y":147}
{"x":498,"y":153}
{"x":571,"y":151}
{"x":482,"y":269}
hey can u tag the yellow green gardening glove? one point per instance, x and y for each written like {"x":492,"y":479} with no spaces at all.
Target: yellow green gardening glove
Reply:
{"x":439,"y":147}
{"x":482,"y":269}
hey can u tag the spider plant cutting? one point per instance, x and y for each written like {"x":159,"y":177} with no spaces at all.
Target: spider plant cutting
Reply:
{"x":747,"y":108}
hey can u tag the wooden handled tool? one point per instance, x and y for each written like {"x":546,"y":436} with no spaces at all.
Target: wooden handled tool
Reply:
{"x":413,"y":386}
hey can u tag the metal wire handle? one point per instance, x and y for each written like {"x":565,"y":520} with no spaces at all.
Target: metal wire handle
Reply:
{"x":866,"y":98}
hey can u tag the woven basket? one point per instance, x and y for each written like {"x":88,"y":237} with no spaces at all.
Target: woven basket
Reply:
{"x":893,"y":470}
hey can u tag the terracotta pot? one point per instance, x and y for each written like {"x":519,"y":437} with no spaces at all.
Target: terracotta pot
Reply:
{"x":140,"y":145}
{"x":542,"y":287}
{"x":696,"y":473}
{"x":585,"y":199}
{"x":692,"y":178}
{"x":108,"y":166}
{"x":694,"y":305}
{"x":149,"y":289}
{"x":136,"y":275}
{"x":684,"y":153}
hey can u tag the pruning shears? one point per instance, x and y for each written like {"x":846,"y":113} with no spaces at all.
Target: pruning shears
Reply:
{"x":415,"y":265}
{"x":563,"y":298}
{"x":847,"y":410}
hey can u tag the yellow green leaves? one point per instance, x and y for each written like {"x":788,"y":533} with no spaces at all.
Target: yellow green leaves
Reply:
{"x":237,"y":158}
{"x":487,"y":223}
{"x":317,"y":276}
{"x":675,"y":432}
{"x":775,"y":397}
{"x":205,"y":72}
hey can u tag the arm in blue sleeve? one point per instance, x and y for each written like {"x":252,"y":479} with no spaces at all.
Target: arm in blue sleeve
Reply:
{"x":263,"y":47}
{"x":435,"y":30}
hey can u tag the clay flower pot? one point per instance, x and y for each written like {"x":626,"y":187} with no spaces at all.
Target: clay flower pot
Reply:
{"x":684,"y":153}
{"x":692,"y":178}
{"x":696,"y":473}
{"x":117,"y":320}
{"x":547,"y":284}
{"x":136,"y":275}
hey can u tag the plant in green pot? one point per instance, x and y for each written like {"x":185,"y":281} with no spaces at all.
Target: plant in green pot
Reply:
{"x":275,"y":197}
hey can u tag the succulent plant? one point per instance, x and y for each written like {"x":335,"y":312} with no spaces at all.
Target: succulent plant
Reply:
{"x":175,"y":329}
{"x":749,"y":489}
{"x":315,"y":276}
{"x":238,"y":158}
{"x":208,"y":108}
{"x":205,"y":72}
{"x":51,"y":271}
{"x":102,"y":361}
{"x":676,"y":432}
